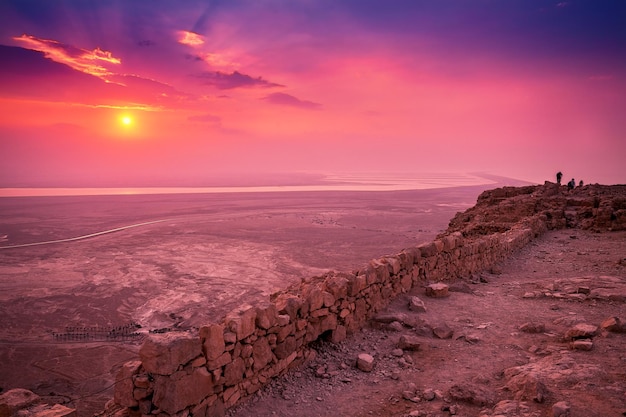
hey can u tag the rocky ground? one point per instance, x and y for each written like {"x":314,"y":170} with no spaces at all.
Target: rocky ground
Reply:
{"x":539,"y":335}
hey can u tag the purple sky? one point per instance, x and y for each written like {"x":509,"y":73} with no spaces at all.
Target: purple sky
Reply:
{"x":225,"y":89}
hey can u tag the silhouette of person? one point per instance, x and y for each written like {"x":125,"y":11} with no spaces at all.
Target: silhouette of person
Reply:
{"x":559,"y":175}
{"x":571,"y":184}
{"x":580,"y":184}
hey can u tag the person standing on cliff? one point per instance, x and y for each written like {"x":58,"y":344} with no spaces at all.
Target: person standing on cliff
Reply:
{"x":559,"y":175}
{"x":571,"y":184}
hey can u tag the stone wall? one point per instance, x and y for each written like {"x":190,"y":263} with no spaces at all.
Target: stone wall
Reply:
{"x":205,"y":371}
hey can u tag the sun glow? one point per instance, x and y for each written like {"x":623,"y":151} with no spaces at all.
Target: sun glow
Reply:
{"x":126,"y":120}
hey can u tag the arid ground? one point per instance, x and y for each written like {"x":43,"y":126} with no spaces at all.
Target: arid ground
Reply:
{"x":69,"y":311}
{"x":483,"y":348}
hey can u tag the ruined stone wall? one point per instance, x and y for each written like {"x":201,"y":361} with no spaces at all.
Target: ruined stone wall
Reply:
{"x":204,"y":372}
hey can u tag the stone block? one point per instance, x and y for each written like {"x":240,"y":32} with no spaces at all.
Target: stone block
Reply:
{"x":242,"y":322}
{"x":356,"y":285}
{"x":181,"y":390}
{"x":286,"y":348}
{"x":233,"y":372}
{"x":162,"y":354}
{"x":289,"y":305}
{"x":365,"y":362}
{"x":329,"y":299}
{"x":261,"y":353}
{"x":266,"y":316}
{"x":427,"y":249}
{"x":212,"y":337}
{"x":124,"y":384}
{"x":337,"y":285}
{"x":338,"y":335}
{"x":437,"y":290}
{"x":224,"y":359}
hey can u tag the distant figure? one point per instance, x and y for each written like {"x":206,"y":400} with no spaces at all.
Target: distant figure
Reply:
{"x":559,"y":175}
{"x":571,"y":184}
{"x":580,"y":184}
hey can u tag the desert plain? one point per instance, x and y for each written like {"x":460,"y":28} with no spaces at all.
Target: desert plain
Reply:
{"x":72,"y":312}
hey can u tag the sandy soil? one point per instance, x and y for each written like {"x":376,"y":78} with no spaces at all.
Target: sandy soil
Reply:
{"x":210,"y":254}
{"x":465,"y":373}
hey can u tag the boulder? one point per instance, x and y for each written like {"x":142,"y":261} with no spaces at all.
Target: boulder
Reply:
{"x":16,"y":399}
{"x":409,"y":343}
{"x":416,"y":304}
{"x":581,"y":331}
{"x":437,"y":290}
{"x":365,"y":362}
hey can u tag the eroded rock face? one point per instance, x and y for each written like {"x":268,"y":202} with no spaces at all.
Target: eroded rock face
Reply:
{"x":22,"y":402}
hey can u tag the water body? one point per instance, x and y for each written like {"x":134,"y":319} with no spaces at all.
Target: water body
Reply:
{"x":330,"y":182}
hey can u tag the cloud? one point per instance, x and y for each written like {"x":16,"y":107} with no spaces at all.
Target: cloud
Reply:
{"x":224,"y":81}
{"x":190,"y":38}
{"x":26,"y":73}
{"x":205,"y":118}
{"x":289,"y":100}
{"x":91,"y":62}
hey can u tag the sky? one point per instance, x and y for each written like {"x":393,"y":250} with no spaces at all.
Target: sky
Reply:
{"x":195,"y":93}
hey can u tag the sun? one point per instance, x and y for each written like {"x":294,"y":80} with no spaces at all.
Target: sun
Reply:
{"x":126,"y":120}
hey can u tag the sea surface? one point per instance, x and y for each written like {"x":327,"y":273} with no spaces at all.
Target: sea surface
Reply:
{"x":329,"y":182}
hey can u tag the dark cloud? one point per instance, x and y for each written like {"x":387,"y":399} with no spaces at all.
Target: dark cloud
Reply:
{"x":224,"y":81}
{"x":289,"y":100}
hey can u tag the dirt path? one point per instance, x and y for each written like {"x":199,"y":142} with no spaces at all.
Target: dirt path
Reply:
{"x":498,"y":338}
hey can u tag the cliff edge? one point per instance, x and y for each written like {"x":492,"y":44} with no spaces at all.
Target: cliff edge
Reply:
{"x":209,"y":371}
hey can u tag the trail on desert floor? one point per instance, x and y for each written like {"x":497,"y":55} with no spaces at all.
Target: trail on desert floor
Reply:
{"x":72,"y":239}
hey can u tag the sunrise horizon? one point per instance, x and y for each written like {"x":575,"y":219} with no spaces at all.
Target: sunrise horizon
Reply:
{"x":146,"y":93}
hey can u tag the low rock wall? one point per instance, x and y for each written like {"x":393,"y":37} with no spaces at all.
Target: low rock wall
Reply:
{"x":206,"y":371}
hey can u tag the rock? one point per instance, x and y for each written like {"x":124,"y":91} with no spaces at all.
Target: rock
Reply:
{"x":453,"y":410}
{"x":613,"y":324}
{"x":437,"y":290}
{"x":123,"y":393}
{"x":242,"y":322}
{"x":442,"y":331}
{"x":532,"y":327}
{"x":416,"y":304}
{"x":429,"y":394}
{"x":57,"y":410}
{"x":262,"y":353}
{"x":581,"y":331}
{"x":471,"y":394}
{"x":526,"y":385}
{"x":338,"y":335}
{"x":409,"y":343}
{"x":582,"y":344}
{"x":395,"y":326}
{"x":15,"y":400}
{"x":162,"y":354}
{"x":365,"y":362}
{"x":410,"y":396}
{"x":390,"y":318}
{"x":213,"y":344}
{"x":397,"y":352}
{"x":506,"y":408}
{"x":560,"y":409}
{"x":460,"y":287}
{"x":181,"y":390}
